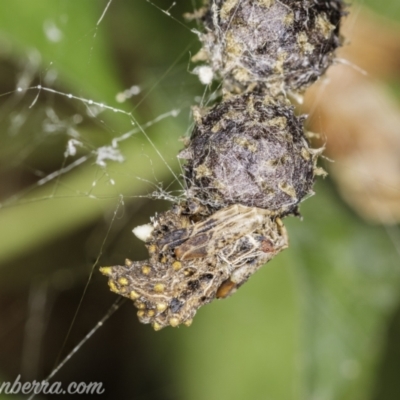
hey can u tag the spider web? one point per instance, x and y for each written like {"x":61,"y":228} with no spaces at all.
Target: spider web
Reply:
{"x":108,"y":155}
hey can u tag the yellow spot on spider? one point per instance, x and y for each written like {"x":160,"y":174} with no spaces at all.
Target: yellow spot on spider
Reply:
{"x":140,"y":305}
{"x":161,"y":307}
{"x":152,"y":248}
{"x":163,"y":260}
{"x":123,"y":281}
{"x":106,"y":271}
{"x":140,"y":313}
{"x":128,"y":262}
{"x":188,"y":322}
{"x":134,"y":295}
{"x":113,"y":286}
{"x":156,"y":326}
{"x":146,"y":269}
{"x":177,"y":265}
{"x":174,"y":322}
{"x":159,"y":288}
{"x":151,"y":313}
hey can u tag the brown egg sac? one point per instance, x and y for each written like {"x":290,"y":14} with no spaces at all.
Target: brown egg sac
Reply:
{"x":250,"y":150}
{"x":280,"y":45}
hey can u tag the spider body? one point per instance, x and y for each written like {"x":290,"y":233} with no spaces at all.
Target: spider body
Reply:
{"x":192,"y":264}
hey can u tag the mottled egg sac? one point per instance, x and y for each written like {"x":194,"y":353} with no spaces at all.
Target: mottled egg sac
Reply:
{"x":283,"y":45}
{"x":250,"y":150}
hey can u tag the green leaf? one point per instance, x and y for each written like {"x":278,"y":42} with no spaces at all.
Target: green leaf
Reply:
{"x":65,"y":37}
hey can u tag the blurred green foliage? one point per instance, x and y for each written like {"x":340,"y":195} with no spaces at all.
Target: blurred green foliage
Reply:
{"x":310,"y":325}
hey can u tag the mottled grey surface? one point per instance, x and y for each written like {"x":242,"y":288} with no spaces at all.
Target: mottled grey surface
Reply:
{"x":281,"y":45}
{"x":250,"y":150}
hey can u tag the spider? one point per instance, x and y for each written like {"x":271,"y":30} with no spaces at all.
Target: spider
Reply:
{"x":192,"y":263}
